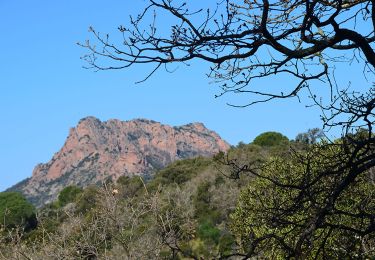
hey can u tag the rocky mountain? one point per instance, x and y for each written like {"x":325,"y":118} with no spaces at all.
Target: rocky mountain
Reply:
{"x":96,"y":151}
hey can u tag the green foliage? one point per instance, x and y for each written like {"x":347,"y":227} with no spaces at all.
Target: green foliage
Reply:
{"x":180,"y":172}
{"x":130,"y":186}
{"x":16,"y":211}
{"x":208,"y":232}
{"x":202,"y":198}
{"x":240,"y":145}
{"x":188,"y":210}
{"x":270,"y":139}
{"x":245,"y":153}
{"x":209,"y":217}
{"x":87,"y":200}
{"x":37,"y":235}
{"x":226,"y":244}
{"x":276,"y":212}
{"x":312,"y":136}
{"x":68,"y":194}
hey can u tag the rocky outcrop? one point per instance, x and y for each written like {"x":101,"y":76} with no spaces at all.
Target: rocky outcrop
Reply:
{"x":95,"y":151}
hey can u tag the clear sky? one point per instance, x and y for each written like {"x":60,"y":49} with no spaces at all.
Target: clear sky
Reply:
{"x":45,"y":90}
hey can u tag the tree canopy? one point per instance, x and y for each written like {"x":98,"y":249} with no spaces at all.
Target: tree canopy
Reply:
{"x":270,"y":139}
{"x":297,"y":210}
{"x":312,"y":136}
{"x":16,"y":211}
{"x":68,"y":194}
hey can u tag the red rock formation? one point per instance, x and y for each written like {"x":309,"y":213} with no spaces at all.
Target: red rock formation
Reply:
{"x":95,"y":151}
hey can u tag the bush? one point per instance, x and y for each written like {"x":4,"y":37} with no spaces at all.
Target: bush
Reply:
{"x":130,"y":186}
{"x":285,"y":200}
{"x":270,"y":139}
{"x":87,"y":199}
{"x":208,"y":232}
{"x":180,"y":172}
{"x":68,"y":194}
{"x":16,"y":211}
{"x":226,"y":244}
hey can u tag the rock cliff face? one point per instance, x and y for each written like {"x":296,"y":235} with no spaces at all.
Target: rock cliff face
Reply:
{"x":95,"y":151}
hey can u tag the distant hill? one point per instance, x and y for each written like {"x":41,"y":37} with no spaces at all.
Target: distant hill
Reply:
{"x":96,"y":151}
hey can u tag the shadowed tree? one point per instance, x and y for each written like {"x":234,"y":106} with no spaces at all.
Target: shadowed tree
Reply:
{"x":304,"y":206}
{"x":246,"y":41}
{"x":312,"y":136}
{"x":16,"y":211}
{"x":68,"y":194}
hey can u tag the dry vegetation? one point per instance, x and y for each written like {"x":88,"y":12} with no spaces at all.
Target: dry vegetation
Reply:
{"x":239,"y":205}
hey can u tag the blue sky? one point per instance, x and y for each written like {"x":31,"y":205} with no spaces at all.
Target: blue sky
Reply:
{"x":45,"y":90}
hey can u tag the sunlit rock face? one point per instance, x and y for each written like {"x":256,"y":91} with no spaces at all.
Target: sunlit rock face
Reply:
{"x":95,"y":151}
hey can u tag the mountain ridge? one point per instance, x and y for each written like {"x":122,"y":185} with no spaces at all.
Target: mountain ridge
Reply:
{"x":95,"y":151}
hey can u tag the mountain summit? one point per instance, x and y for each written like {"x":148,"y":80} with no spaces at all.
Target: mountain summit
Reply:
{"x":96,"y":151}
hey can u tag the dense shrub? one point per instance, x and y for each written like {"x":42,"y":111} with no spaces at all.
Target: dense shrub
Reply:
{"x":276,"y":213}
{"x":16,"y":211}
{"x":87,"y":199}
{"x":68,"y":194}
{"x":270,"y":139}
{"x":130,"y":186}
{"x":180,"y":172}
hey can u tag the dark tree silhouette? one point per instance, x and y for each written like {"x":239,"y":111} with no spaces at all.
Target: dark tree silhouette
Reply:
{"x":246,"y":41}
